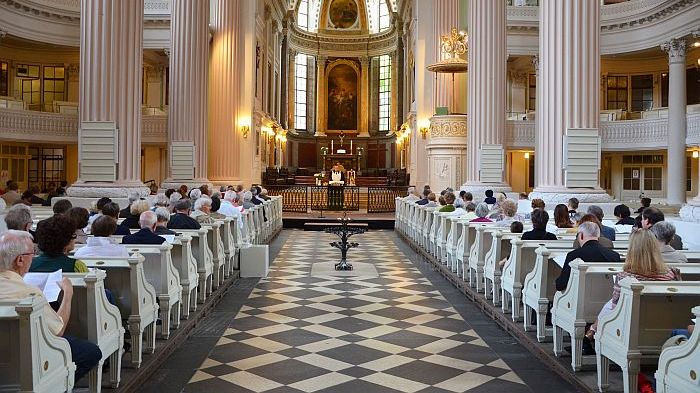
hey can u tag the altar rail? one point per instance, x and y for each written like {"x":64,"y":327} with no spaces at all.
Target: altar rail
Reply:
{"x":294,"y":198}
{"x":383,"y":199}
{"x":322,"y":201}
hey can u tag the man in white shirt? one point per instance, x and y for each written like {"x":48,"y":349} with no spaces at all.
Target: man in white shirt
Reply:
{"x":16,"y":252}
{"x":228,"y":209}
{"x":101,"y":244}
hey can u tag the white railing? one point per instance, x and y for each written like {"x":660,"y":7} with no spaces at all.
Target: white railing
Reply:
{"x":644,"y":134}
{"x":35,"y":126}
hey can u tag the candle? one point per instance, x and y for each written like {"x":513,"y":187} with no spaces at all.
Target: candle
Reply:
{"x":332,"y":149}
{"x":351,"y":146}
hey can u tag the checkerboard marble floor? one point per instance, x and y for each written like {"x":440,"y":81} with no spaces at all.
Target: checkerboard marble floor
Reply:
{"x":387,"y":331}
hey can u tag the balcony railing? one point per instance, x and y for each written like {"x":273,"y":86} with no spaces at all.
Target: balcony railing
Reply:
{"x":34,"y":126}
{"x":643,"y":134}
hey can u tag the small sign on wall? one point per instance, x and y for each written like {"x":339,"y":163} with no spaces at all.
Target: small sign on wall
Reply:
{"x":635,"y":173}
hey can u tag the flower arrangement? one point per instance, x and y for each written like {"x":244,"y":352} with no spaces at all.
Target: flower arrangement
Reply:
{"x":319,"y":178}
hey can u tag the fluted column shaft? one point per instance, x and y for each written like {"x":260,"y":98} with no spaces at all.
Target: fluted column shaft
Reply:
{"x":320,"y":104}
{"x":677,"y":122}
{"x":111,"y":60}
{"x":189,"y":63}
{"x":363,"y":127}
{"x":225,"y":84}
{"x":487,"y":80}
{"x":567,"y":90}
{"x":284,"y":72}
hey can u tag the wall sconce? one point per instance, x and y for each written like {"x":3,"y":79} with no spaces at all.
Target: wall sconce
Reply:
{"x":696,"y":154}
{"x":244,"y":126}
{"x":527,"y":155}
{"x":424,"y":128}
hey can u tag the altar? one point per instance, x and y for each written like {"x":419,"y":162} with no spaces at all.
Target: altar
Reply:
{"x":348,"y":161}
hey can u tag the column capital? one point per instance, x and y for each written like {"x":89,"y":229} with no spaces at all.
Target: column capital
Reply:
{"x":3,"y":34}
{"x":676,"y":49}
{"x":364,"y":61}
{"x":166,"y":51}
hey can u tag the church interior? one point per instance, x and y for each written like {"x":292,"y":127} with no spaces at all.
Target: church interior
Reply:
{"x":344,"y":195}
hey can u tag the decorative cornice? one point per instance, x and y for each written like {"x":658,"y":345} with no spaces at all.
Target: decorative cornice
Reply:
{"x":448,"y":126}
{"x":343,"y":45}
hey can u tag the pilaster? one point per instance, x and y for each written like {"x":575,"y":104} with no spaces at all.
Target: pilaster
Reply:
{"x":320,"y":88}
{"x":364,"y":98}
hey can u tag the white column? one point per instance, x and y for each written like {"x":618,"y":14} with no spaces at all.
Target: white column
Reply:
{"x":189,"y":63}
{"x":226,"y":109}
{"x":487,"y":76}
{"x":676,"y":181}
{"x":111,"y":60}
{"x":567,"y":91}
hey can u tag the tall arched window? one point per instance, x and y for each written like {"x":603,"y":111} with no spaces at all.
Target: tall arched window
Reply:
{"x":378,"y":15}
{"x":300,"y":72}
{"x":384,"y":92}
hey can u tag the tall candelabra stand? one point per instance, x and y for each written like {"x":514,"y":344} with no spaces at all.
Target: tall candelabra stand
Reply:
{"x":344,"y":232}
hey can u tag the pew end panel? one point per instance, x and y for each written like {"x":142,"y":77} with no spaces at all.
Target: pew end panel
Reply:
{"x":679,"y":366}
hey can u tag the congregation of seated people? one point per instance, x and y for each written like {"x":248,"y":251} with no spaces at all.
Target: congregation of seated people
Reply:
{"x":50,"y":244}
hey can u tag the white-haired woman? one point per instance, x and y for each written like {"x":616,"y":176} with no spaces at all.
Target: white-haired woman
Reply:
{"x":202,"y":210}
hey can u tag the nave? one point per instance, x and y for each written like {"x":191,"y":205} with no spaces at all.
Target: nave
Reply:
{"x":391,"y":325}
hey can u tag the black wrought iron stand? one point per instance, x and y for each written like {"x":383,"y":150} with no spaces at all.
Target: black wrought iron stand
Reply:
{"x":344,"y":231}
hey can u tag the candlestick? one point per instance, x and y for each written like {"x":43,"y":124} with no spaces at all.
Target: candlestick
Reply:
{"x":332,"y":149}
{"x":350,"y":146}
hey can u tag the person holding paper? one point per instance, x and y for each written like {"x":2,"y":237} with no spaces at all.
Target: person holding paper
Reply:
{"x":16,"y":252}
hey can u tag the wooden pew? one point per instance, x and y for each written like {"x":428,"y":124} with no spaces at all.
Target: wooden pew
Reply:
{"x":161,"y":273}
{"x":679,"y":366}
{"x":640,"y":324}
{"x":204,"y":258}
{"x":216,"y":246}
{"x":589,"y":289}
{"x":135,"y":298}
{"x":94,"y":319}
{"x":32,"y":359}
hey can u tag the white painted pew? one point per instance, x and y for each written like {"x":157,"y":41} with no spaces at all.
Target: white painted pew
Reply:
{"x":477,"y":254}
{"x":204,"y":258}
{"x":500,"y":248}
{"x":589,"y":289}
{"x":32,"y":359}
{"x":94,"y":319}
{"x":679,"y":366}
{"x":135,"y":298}
{"x":186,"y":265}
{"x":463,"y":250}
{"x":640,"y":324}
{"x":229,"y":245}
{"x":452,"y":242}
{"x":216,"y":246}
{"x":161,"y":273}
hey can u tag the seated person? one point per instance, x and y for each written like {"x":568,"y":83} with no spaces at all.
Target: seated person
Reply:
{"x":56,"y":238}
{"x":145,"y":235}
{"x":432,"y":200}
{"x":411,"y":195}
{"x":424,"y":200}
{"x":111,"y":209}
{"x":645,"y":202}
{"x":539,"y":218}
{"x":561,"y":217}
{"x":604,"y":230}
{"x":449,"y":203}
{"x":28,"y":198}
{"x":101,"y":244}
{"x":604,"y":241}
{"x":651,"y":216}
{"x":470,"y":209}
{"x":160,"y":201}
{"x":80,"y":217}
{"x":162,"y":217}
{"x":535,"y":204}
{"x":664,"y":232}
{"x":126,"y":212}
{"x":459,"y":200}
{"x":19,"y":218}
{"x":227,"y":205}
{"x":181,"y":219}
{"x":202,"y":208}
{"x":138,"y":207}
{"x":482,"y":210}
{"x":509,"y":209}
{"x":489,"y":200}
{"x":591,"y":251}
{"x":248,"y":200}
{"x":62,"y":206}
{"x":572,"y":206}
{"x":98,"y":207}
{"x":16,"y":251}
{"x":645,"y":263}
{"x":174,"y":197}
{"x":623,"y":215}
{"x":215,"y":206}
